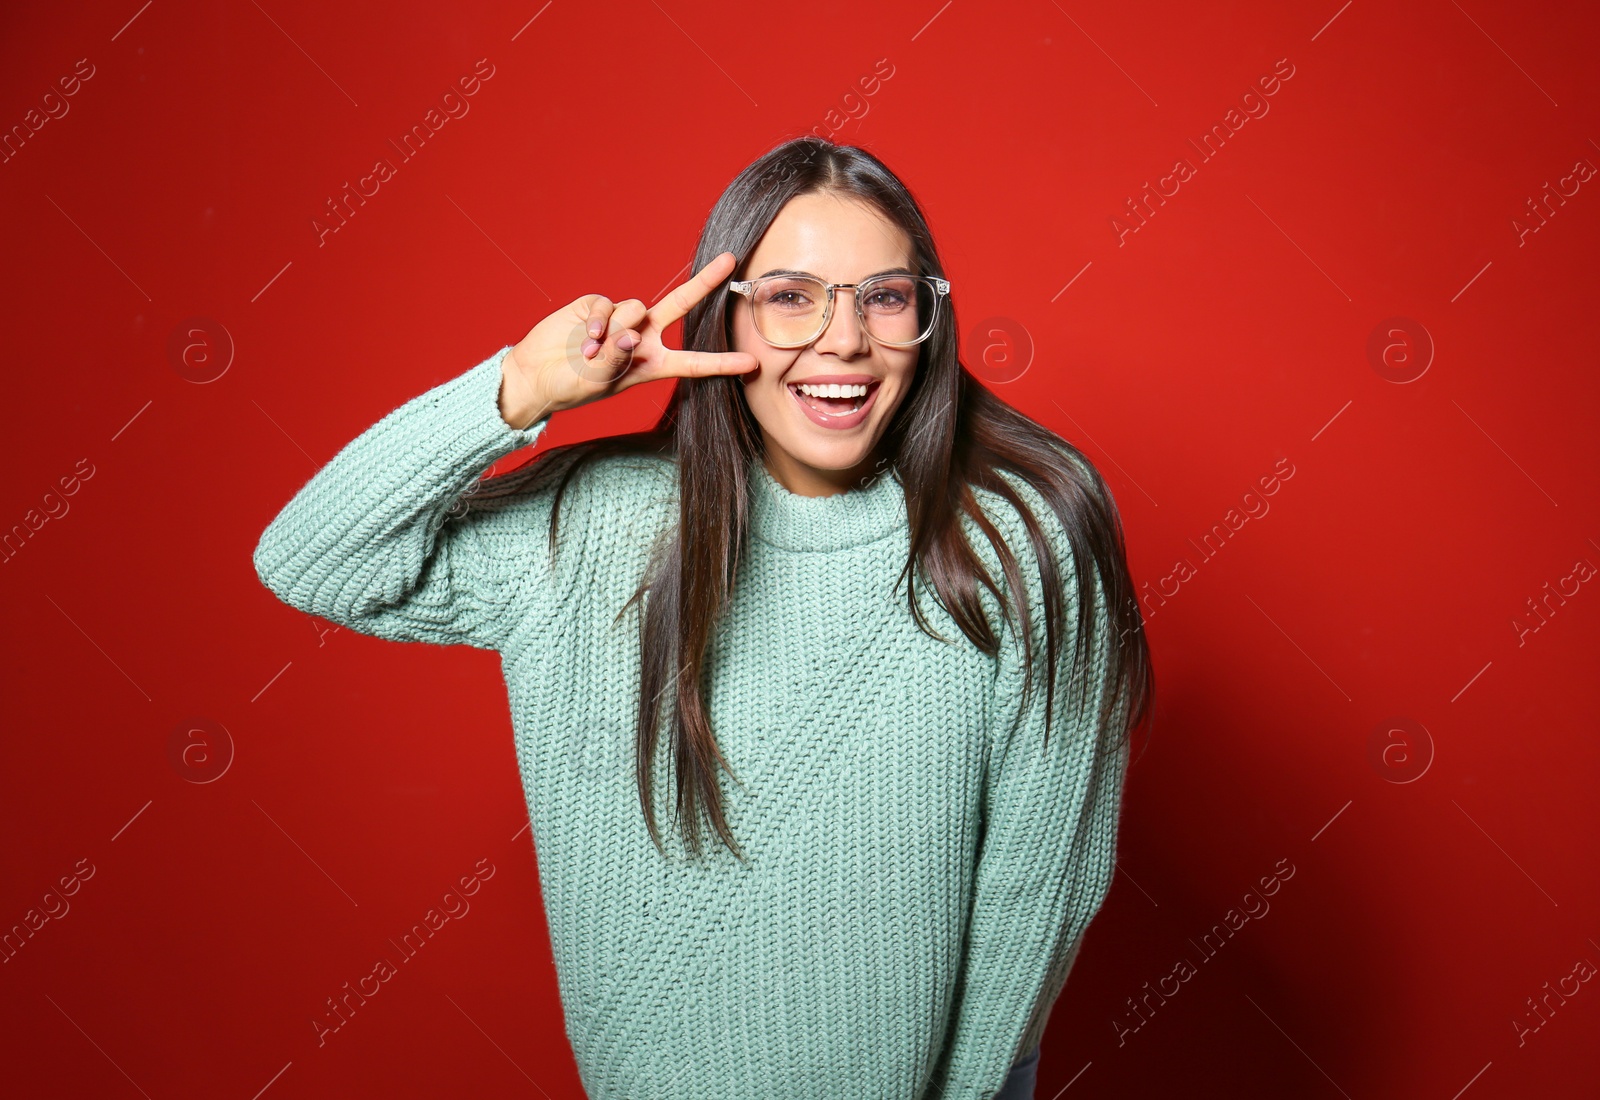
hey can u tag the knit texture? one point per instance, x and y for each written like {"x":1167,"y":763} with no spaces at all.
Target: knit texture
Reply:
{"x":921,"y":864}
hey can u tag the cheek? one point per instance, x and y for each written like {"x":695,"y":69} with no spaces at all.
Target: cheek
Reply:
{"x":744,"y":338}
{"x":763,"y":387}
{"x":774,"y":361}
{"x":903,"y":374}
{"x":758,"y":381}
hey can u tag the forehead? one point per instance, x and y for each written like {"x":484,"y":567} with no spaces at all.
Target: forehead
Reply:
{"x":837,"y":237}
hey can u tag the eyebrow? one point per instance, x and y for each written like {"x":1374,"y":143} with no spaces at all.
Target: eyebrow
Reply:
{"x":874,"y":275}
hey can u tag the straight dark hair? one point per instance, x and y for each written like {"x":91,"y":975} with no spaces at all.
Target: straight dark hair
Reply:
{"x":949,"y":437}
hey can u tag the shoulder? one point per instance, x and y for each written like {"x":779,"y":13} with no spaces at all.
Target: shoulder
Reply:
{"x":1056,"y":532}
{"x":592,"y":480}
{"x":1030,"y":517}
{"x":600,"y":495}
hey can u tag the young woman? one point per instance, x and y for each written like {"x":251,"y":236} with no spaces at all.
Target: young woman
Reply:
{"x":843,"y":605}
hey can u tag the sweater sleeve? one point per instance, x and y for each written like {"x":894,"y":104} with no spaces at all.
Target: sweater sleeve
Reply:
{"x":383,"y":538}
{"x":1047,"y":852}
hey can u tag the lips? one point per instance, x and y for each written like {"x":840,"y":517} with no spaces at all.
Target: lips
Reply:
{"x":824,"y":411}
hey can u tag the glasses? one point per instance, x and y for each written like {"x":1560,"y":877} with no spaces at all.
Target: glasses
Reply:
{"x":793,"y":310}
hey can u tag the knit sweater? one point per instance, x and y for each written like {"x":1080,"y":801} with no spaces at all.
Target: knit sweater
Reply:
{"x":921,"y":864}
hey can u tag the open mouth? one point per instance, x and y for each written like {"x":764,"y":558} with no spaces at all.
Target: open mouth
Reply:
{"x":833,"y":399}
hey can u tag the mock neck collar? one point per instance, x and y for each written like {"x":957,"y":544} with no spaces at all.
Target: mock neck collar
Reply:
{"x":851,"y":518}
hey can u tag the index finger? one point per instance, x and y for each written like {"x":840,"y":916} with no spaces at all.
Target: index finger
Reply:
{"x":682,"y":298}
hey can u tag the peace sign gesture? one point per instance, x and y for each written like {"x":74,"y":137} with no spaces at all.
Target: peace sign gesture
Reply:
{"x":570,"y":359}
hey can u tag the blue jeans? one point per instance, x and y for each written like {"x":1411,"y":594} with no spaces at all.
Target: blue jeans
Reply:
{"x":1019,"y":1083}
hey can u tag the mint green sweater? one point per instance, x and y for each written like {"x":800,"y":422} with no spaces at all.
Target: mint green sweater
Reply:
{"x":921,"y":866}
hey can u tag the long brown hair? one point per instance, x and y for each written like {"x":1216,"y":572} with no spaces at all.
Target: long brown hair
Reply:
{"x":949,"y":437}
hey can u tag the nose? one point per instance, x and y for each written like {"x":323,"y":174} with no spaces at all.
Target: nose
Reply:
{"x":844,"y":335}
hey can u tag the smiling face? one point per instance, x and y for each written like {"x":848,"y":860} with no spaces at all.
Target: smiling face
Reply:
{"x":814,"y":445}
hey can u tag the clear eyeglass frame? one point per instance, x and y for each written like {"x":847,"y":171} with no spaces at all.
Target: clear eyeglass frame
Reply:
{"x":941,"y":290}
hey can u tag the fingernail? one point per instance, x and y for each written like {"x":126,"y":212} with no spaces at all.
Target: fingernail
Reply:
{"x":589,"y":346}
{"x":627,"y":342}
{"x":594,"y":327}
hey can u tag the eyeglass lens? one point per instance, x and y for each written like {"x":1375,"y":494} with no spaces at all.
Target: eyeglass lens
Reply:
{"x":896,"y":309}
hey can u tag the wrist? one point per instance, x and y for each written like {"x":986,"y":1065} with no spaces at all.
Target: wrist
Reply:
{"x":521,"y":405}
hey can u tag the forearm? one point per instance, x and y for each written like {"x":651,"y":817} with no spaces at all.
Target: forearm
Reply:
{"x":358,"y":535}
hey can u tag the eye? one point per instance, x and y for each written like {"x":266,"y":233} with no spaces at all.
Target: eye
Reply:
{"x":788,"y":295}
{"x":885,"y":298}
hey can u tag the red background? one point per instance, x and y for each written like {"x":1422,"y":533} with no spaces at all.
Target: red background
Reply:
{"x":1230,"y":332}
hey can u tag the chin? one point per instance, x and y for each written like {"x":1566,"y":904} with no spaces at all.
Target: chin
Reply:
{"x":835,"y":459}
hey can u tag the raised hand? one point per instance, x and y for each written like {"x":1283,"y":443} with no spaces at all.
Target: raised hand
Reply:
{"x":571,"y":358}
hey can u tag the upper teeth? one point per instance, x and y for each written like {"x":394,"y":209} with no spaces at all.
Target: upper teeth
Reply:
{"x":832,"y":390}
